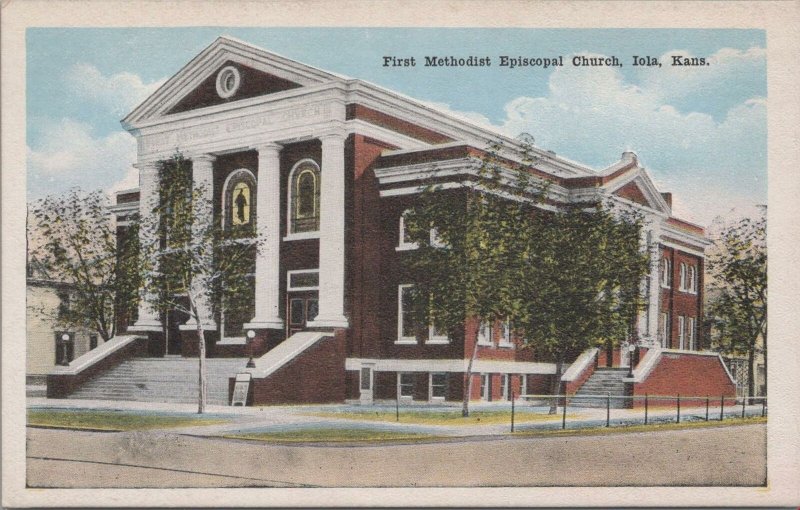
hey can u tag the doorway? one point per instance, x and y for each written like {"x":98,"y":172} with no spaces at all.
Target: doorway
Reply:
{"x":175,"y":318}
{"x":301,"y":307}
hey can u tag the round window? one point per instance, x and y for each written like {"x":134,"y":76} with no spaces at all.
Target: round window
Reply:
{"x":228,"y":81}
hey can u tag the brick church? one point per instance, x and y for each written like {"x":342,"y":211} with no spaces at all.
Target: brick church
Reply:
{"x":323,"y":167}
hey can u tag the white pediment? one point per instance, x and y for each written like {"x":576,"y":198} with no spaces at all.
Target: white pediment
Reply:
{"x":209,"y":61}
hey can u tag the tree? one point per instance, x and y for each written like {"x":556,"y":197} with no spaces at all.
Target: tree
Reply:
{"x":564,"y":280}
{"x":738,"y":310}
{"x":467,"y":256}
{"x":582,"y":280}
{"x":193,"y":265}
{"x":73,"y":241}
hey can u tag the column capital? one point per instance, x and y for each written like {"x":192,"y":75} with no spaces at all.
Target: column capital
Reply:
{"x":146,"y":166}
{"x":333,"y":134}
{"x":202,"y":157}
{"x":268,"y":147}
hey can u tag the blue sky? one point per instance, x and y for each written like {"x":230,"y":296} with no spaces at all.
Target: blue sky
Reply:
{"x":701,"y":132}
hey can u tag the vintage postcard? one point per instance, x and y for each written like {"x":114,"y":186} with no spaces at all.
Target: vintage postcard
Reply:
{"x":500,"y":258}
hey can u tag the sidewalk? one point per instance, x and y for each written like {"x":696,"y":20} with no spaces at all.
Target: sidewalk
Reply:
{"x":249,"y":420}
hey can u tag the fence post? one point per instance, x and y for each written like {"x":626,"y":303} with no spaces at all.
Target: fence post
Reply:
{"x":512,"y":410}
{"x":646,"y":397}
{"x":564,"y":413}
{"x":722,"y":408}
{"x":744,"y":403}
{"x":679,"y":408}
{"x":608,"y":409}
{"x":707,"y":401}
{"x":763,"y":406}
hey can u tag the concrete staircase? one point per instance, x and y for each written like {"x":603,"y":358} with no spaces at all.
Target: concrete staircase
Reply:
{"x":162,"y":380}
{"x":603,"y":381}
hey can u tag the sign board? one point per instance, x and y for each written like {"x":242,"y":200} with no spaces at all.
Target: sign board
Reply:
{"x":241,"y":388}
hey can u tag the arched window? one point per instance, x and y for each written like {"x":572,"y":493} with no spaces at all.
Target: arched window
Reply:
{"x":239,"y":202}
{"x":692,"y":284}
{"x":684,"y":285}
{"x":666,"y":273}
{"x":405,"y":242}
{"x":304,"y":182}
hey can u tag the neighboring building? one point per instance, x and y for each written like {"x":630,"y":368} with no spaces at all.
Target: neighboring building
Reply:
{"x":323,"y":167}
{"x":49,"y":342}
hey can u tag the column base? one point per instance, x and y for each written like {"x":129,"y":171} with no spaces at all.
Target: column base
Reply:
{"x":192,"y":326}
{"x":329,"y":322}
{"x":258,"y":323}
{"x":146,"y":325}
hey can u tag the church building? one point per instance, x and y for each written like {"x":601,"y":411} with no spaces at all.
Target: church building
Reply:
{"x":322,"y":168}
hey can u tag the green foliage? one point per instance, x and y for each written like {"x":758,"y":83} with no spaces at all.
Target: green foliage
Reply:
{"x":73,"y":241}
{"x":738,"y":310}
{"x":566,"y":280}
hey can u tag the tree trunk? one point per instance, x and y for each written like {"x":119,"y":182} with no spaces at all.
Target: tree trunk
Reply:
{"x":555,"y":387}
{"x":751,"y":355}
{"x":468,"y":390}
{"x":202,"y":383}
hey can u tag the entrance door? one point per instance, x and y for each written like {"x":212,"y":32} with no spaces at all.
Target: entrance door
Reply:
{"x":302,"y":307}
{"x":174,"y":320}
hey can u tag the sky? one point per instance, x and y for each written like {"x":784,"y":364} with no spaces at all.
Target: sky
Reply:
{"x":701,"y":132}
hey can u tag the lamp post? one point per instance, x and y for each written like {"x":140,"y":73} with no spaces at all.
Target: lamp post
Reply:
{"x":631,"y":349}
{"x":250,"y":336}
{"x":64,"y":350}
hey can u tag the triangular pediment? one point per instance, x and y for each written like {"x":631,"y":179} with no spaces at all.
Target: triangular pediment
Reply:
{"x":195,"y":86}
{"x":637,"y":187}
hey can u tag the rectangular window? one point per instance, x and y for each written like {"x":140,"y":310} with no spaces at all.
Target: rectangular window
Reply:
{"x":437,"y":335}
{"x":303,"y":279}
{"x":691,"y":333}
{"x":92,"y":342}
{"x":681,"y":332}
{"x":523,"y":384}
{"x":405,"y":384}
{"x":504,"y":385}
{"x":406,"y":327}
{"x":505,"y":334}
{"x":405,"y":242}
{"x":485,"y":387}
{"x":486,"y":334}
{"x":664,"y":330}
{"x":438,"y":384}
{"x":366,"y":378}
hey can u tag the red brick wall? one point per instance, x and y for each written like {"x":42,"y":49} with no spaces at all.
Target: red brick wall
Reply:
{"x":686,"y":375}
{"x":317,"y":375}
{"x":681,"y":303}
{"x":572,"y":386}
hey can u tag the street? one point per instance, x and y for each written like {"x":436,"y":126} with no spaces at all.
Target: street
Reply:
{"x":714,"y":456}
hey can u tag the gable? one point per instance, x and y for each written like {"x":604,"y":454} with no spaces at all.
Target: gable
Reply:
{"x":632,"y":192}
{"x":251,"y":83}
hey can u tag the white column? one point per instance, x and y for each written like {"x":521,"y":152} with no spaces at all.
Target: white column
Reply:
{"x":331,"y":240}
{"x":268,"y":229}
{"x":655,"y":288}
{"x":203,"y":210}
{"x":148,"y":319}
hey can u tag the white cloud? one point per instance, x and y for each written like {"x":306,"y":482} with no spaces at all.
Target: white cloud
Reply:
{"x":119,"y":92}
{"x":71,"y":156}
{"x":710,"y":164}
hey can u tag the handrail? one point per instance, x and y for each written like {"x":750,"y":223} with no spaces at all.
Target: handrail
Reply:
{"x":92,"y":357}
{"x":579,"y":365}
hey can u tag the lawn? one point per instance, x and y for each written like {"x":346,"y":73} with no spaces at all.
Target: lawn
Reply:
{"x":443,"y":417}
{"x":654,"y":427}
{"x":332,"y":435}
{"x":113,"y":420}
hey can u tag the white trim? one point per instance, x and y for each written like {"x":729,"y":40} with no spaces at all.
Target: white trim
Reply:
{"x":93,"y":356}
{"x":407,"y":340}
{"x":222,"y":90}
{"x":223,"y":216}
{"x":402,"y":244}
{"x":579,"y":365}
{"x":285,"y":352}
{"x":290,"y":190}
{"x":651,"y":359}
{"x":431,"y":398}
{"x":452,"y":365}
{"x":400,"y":386}
{"x":482,"y":338}
{"x":665,"y":273}
{"x":681,"y":332}
{"x":485,"y":386}
{"x":299,"y":236}
{"x":691,"y":326}
{"x":289,"y":274}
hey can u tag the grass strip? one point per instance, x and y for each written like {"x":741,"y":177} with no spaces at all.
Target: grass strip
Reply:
{"x":442,"y":417}
{"x":112,"y":420}
{"x":334,"y":435}
{"x":656,"y":427}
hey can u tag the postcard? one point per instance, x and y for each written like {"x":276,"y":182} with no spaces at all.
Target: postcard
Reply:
{"x":460,"y":253}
